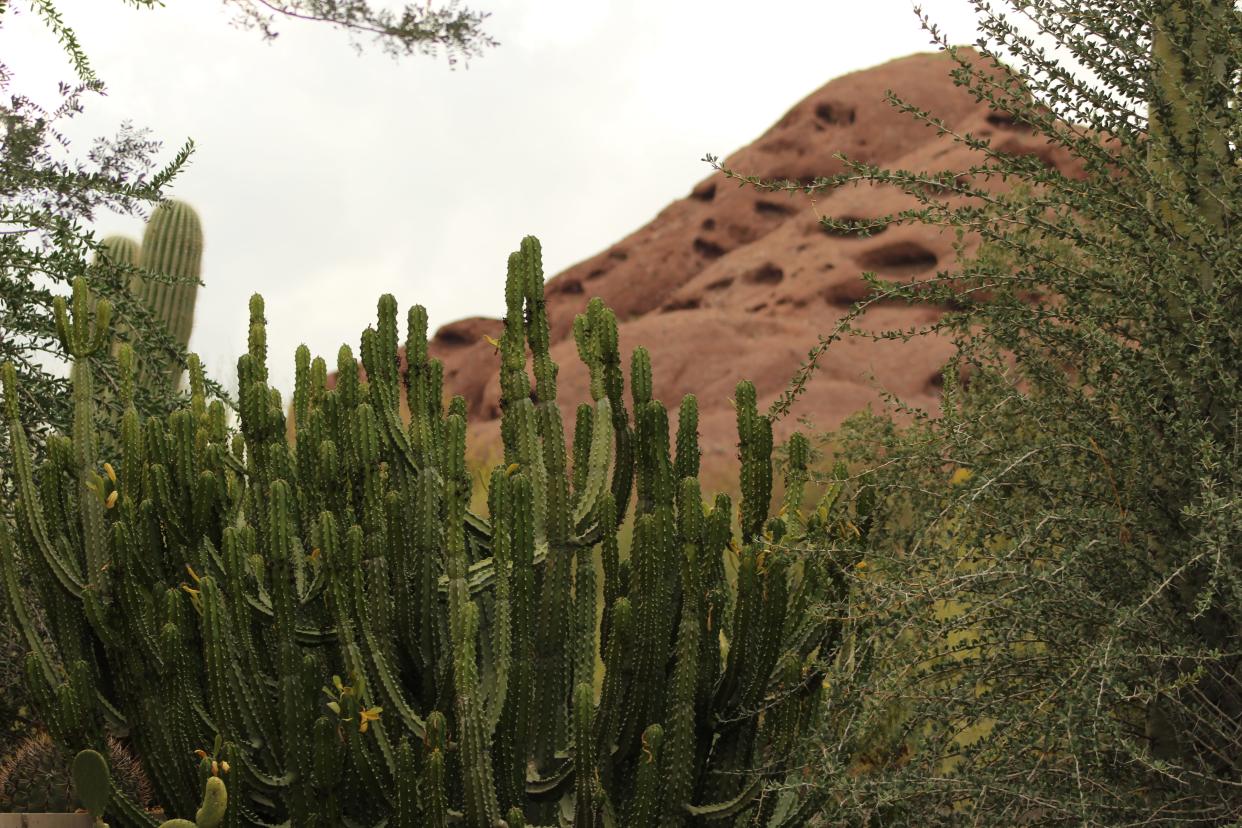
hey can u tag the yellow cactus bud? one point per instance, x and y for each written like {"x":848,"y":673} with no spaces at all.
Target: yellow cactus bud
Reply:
{"x":111,"y":501}
{"x":111,"y":472}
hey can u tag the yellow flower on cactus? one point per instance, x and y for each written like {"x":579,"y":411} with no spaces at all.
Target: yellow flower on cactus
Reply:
{"x":368,"y":715}
{"x":961,"y":476}
{"x":111,"y":472}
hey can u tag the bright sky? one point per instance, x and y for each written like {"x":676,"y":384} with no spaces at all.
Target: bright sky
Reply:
{"x":325,"y":178}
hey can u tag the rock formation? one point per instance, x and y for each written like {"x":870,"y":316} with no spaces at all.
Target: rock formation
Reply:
{"x":729,"y":283}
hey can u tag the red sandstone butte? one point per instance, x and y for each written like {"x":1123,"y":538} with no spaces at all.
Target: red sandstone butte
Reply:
{"x":732,"y":283}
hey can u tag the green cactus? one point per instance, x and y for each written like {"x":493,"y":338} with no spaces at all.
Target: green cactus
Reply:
{"x":172,"y":247}
{"x":172,"y":250}
{"x":359,"y":646}
{"x":91,"y":783}
{"x":40,"y":777}
{"x":212,"y":810}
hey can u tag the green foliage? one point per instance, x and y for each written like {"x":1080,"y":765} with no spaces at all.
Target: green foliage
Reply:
{"x":360,"y":646}
{"x":1055,"y":599}
{"x":415,"y":28}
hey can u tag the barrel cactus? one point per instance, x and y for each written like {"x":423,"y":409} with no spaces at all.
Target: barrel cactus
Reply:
{"x":37,"y":777}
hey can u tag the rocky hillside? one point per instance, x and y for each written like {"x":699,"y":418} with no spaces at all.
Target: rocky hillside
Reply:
{"x":730,"y":283}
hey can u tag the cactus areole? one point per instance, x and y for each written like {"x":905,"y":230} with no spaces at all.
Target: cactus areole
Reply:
{"x":359,"y":646}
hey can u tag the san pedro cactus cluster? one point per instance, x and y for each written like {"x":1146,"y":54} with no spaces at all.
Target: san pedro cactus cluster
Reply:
{"x":172,"y":247}
{"x":363,"y":649}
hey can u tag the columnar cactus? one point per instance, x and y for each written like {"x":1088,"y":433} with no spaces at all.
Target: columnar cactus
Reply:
{"x":172,"y":246}
{"x":172,"y":249}
{"x":360,"y":646}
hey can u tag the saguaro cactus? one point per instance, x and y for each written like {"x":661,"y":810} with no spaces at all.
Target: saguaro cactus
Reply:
{"x":172,"y":246}
{"x":360,"y":646}
{"x":171,"y":249}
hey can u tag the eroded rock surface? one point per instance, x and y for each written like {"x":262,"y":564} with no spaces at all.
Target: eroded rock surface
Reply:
{"x":730,"y":283}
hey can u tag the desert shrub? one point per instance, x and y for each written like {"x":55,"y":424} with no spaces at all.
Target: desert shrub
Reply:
{"x":1056,"y":598}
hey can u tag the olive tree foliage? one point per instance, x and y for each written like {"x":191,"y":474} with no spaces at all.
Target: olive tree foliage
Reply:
{"x":415,"y":28}
{"x":49,"y":198}
{"x":1049,"y":628}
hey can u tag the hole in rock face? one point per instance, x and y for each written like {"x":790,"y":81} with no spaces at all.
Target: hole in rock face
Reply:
{"x":901,"y":258}
{"x":709,"y":249}
{"x":705,"y":191}
{"x":846,"y":234}
{"x":1041,"y":152}
{"x":454,"y":337}
{"x":834,"y":113}
{"x":619,"y":255}
{"x":721,"y":284}
{"x":687,"y":303}
{"x":935,"y":383}
{"x":708,"y":224}
{"x":773,"y":208}
{"x":758,"y":307}
{"x":596,"y":273}
{"x":1003,"y":120}
{"x":569,"y":286}
{"x":765,"y":274}
{"x":846,"y":293}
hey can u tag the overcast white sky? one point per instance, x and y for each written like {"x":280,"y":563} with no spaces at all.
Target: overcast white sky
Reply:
{"x":325,"y":178}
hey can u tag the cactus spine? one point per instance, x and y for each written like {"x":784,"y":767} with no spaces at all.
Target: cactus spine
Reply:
{"x":360,"y":646}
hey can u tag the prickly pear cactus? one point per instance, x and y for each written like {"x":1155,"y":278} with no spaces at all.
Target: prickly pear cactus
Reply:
{"x":360,"y":646}
{"x":92,"y":784}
